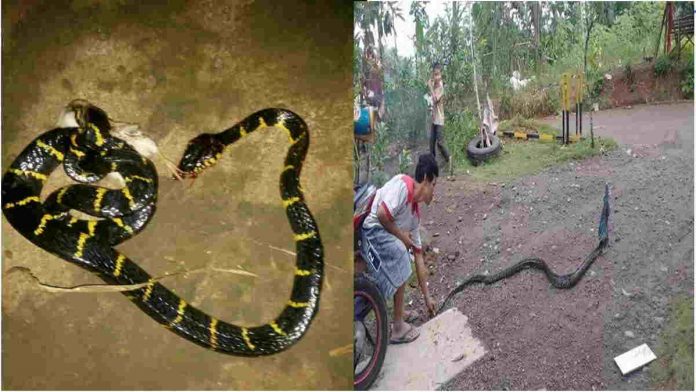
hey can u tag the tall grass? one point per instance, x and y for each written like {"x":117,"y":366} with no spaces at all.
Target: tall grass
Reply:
{"x":530,"y":102}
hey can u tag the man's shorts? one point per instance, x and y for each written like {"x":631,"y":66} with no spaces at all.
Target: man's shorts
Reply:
{"x":388,"y":260}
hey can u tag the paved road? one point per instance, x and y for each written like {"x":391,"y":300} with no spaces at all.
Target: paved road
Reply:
{"x":642,"y":125}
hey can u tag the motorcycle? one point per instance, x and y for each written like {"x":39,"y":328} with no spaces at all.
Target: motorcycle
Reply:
{"x":370,"y":322}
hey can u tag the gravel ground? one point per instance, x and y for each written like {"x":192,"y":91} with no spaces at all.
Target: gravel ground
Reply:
{"x":542,"y":338}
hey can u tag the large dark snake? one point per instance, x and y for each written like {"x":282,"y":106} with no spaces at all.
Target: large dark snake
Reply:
{"x":88,"y":152}
{"x":558,"y":281}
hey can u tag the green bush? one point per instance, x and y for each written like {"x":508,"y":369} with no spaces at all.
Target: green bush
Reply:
{"x":505,"y":105}
{"x":663,"y":65}
{"x":687,"y":83}
{"x":687,"y":71}
{"x":378,"y":152}
{"x":460,"y":128}
{"x":405,"y":161}
{"x":597,"y":88}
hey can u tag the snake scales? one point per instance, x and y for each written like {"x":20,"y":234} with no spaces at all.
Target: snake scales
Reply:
{"x":88,"y":152}
{"x":558,"y":281}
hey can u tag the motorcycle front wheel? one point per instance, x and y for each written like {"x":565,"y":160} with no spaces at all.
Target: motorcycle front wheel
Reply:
{"x":371,"y":332}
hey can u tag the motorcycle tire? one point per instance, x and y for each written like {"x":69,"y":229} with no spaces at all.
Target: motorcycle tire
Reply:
{"x":365,"y":288}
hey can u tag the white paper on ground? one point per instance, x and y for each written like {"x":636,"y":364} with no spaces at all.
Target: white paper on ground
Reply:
{"x":635,"y":358}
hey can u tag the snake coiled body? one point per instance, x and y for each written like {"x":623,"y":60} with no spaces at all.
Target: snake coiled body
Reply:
{"x":88,"y":153}
{"x":558,"y":281}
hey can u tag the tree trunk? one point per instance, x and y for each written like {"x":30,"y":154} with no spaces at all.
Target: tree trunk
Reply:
{"x":473,"y":60}
{"x":495,"y":41}
{"x":381,"y":47}
{"x":587,"y":41}
{"x":536,"y":22}
{"x":659,"y":36}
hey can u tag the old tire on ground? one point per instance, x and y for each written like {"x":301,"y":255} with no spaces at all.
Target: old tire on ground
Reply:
{"x":477,"y":155}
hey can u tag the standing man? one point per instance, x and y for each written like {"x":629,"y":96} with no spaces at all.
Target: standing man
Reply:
{"x":390,"y":231}
{"x":437,"y":93}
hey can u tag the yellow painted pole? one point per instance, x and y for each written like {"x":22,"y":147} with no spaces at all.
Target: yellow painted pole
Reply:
{"x":565,"y":98}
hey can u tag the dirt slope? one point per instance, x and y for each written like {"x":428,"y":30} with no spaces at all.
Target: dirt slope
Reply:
{"x":542,"y":338}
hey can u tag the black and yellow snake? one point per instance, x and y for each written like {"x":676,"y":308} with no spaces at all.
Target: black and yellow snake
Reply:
{"x":88,"y":152}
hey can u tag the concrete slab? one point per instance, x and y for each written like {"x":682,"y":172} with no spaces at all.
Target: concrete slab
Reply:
{"x":444,"y":348}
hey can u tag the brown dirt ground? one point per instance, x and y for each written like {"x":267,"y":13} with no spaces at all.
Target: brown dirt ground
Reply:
{"x":542,"y":338}
{"x":180,"y":68}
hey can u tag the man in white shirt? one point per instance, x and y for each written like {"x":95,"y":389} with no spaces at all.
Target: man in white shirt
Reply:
{"x":390,"y":231}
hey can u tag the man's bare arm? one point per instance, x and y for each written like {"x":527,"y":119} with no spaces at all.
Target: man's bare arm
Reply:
{"x":422,"y":274}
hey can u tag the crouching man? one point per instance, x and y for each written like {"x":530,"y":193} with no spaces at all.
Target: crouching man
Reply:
{"x":391,"y":232}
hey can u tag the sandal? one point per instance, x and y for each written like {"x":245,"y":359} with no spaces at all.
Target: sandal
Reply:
{"x":412,"y":334}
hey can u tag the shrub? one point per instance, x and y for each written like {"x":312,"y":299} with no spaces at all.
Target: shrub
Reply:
{"x":597,"y":88}
{"x":460,"y":128}
{"x":663,"y":65}
{"x":687,"y":71}
{"x":687,"y":83}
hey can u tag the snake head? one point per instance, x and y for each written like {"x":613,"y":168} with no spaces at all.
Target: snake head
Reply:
{"x":201,"y":153}
{"x":92,"y":123}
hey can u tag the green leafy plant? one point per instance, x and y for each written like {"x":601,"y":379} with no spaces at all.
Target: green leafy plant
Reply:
{"x":597,"y":88}
{"x":505,"y":103}
{"x":663,"y":65}
{"x":378,"y":152}
{"x":405,"y":161}
{"x":461,"y":127}
{"x":687,"y":71}
{"x":687,"y":83}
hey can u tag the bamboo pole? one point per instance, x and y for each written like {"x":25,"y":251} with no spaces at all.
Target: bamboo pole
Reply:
{"x":473,"y":59}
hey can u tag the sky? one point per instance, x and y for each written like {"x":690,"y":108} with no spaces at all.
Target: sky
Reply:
{"x":406,"y":29}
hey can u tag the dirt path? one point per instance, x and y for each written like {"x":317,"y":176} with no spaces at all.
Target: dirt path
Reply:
{"x":642,"y":127}
{"x":542,"y":338}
